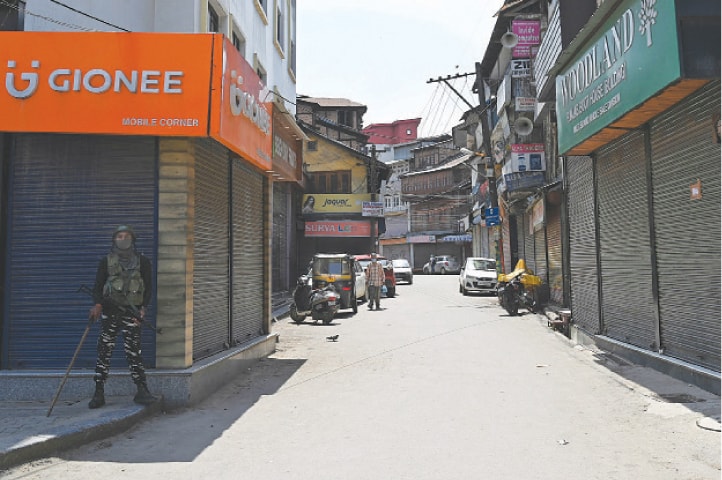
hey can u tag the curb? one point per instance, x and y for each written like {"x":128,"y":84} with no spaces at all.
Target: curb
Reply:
{"x":71,"y":436}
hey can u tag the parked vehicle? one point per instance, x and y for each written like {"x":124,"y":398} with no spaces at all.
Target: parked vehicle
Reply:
{"x":517,"y":289}
{"x":478,"y":275}
{"x":320,"y":302}
{"x":443,"y":264}
{"x":389,"y":277}
{"x":402,"y":270}
{"x":340,"y":270}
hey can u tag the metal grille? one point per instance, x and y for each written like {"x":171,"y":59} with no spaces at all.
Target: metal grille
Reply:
{"x":68,"y":194}
{"x":506,"y":248}
{"x":248,"y":262}
{"x":540,"y":253}
{"x":687,"y":230}
{"x":582,"y":244}
{"x":628,"y":306}
{"x":211,"y":319}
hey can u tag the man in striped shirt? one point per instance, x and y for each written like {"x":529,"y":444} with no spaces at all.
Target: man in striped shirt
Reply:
{"x":375,"y":277}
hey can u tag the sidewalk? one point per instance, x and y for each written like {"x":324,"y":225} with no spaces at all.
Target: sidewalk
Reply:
{"x":27,"y":433}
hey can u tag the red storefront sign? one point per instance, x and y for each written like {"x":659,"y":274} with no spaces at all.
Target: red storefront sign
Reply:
{"x":344,"y":228}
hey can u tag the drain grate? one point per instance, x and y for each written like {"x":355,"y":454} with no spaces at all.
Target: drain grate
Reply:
{"x":678,"y":398}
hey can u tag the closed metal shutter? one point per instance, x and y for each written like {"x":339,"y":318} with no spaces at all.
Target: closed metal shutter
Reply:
{"x":280,"y":244}
{"x":554,"y":254}
{"x":211,"y":319}
{"x":582,"y":243}
{"x":540,"y":254}
{"x":688,"y":231}
{"x":522,"y":236}
{"x":628,"y":306}
{"x":506,"y":244}
{"x":529,"y":243}
{"x":249,"y":238}
{"x":68,"y":194}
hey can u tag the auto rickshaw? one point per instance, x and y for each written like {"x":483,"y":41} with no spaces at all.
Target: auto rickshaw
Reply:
{"x":338,"y":269}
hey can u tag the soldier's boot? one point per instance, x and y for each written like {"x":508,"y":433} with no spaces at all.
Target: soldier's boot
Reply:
{"x":98,"y":399}
{"x":143,"y":397}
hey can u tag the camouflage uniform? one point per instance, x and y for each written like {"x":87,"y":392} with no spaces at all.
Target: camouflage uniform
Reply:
{"x":122,"y":291}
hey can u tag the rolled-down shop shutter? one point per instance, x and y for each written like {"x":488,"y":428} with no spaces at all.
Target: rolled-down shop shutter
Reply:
{"x":528,"y":242}
{"x":211,"y":316}
{"x":280,"y":244}
{"x":583,"y":269}
{"x":506,"y":244}
{"x":540,"y":253}
{"x":522,"y":239}
{"x":68,"y":194}
{"x":688,"y":230}
{"x":248,"y":262}
{"x":554,"y":254}
{"x":628,"y":306}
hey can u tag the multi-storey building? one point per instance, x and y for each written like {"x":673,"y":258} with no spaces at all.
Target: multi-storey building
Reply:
{"x":187,"y":135}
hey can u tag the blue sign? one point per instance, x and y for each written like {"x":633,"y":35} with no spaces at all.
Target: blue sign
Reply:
{"x":492,"y":221}
{"x":491,"y":212}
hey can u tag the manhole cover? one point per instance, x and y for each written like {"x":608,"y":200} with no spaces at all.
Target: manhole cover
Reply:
{"x":679,"y":398}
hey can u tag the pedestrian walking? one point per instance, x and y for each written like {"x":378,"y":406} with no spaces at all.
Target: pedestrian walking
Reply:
{"x":122,"y":291}
{"x":376,"y":279}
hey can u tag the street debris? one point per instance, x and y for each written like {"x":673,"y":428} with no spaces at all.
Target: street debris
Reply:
{"x":332,"y":338}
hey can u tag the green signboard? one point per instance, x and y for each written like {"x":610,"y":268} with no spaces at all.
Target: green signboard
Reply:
{"x":632,"y":57}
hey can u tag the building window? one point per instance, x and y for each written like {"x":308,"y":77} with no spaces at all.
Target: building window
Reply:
{"x":213,"y":20}
{"x":239,"y":43}
{"x":262,"y":9}
{"x":12,"y":15}
{"x":261,"y":72}
{"x":331,"y":182}
{"x":280,"y":25}
{"x":345,"y":117}
{"x":292,"y":37}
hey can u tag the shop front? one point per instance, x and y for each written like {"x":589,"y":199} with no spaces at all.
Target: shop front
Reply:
{"x":169,"y":133}
{"x":638,"y":112}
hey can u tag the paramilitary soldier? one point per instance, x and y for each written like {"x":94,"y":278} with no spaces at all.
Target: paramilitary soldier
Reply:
{"x":121,"y":293}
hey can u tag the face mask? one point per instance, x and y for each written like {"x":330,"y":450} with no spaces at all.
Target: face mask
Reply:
{"x":373,"y":260}
{"x":124,"y":244}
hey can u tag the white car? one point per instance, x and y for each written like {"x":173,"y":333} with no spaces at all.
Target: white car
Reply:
{"x":402,"y":270}
{"x":478,"y":275}
{"x":360,"y":279}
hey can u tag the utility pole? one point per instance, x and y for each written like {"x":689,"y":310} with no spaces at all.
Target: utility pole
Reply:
{"x":372,"y":190}
{"x":453,"y":77}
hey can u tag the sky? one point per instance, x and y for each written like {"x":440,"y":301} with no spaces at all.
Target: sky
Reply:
{"x":381,"y":53}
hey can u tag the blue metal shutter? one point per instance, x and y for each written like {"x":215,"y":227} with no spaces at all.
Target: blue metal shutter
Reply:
{"x":211,"y":316}
{"x":67,"y":195}
{"x":584,"y":285}
{"x":687,"y":231}
{"x":249,"y":237}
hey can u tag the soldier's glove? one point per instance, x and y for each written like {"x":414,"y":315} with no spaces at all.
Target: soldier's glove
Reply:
{"x":95,"y":312}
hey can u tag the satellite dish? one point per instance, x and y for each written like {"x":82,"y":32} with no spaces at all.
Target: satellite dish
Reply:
{"x":523,"y":126}
{"x":509,"y":39}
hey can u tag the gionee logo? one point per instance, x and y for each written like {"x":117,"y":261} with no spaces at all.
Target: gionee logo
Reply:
{"x":242,"y":102}
{"x":96,"y":80}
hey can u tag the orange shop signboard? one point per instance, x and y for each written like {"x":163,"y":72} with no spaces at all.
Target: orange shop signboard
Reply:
{"x":346,"y":228}
{"x":119,"y":84}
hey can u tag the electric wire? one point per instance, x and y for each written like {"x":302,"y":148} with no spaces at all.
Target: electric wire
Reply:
{"x":47,"y":19}
{"x":89,"y":16}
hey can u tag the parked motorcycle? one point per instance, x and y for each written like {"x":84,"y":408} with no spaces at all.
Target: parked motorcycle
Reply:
{"x":517,"y":289}
{"x":320,"y":302}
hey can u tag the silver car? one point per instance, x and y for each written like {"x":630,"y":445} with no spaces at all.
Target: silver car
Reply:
{"x":478,"y":275}
{"x":443,"y":264}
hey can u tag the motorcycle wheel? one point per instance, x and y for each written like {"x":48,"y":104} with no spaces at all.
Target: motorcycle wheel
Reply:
{"x":510,"y":304}
{"x":327,"y":317}
{"x":295,"y":316}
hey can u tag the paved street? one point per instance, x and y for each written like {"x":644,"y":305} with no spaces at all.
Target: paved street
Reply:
{"x":435,"y":385}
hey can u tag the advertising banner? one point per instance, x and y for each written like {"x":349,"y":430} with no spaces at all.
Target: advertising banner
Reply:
{"x":341,"y":228}
{"x":105,"y":83}
{"x":529,"y":34}
{"x":526,"y":157}
{"x":334,"y":203}
{"x":372,"y":209}
{"x":241,"y":112}
{"x":633,"y":57}
{"x":158,"y":84}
